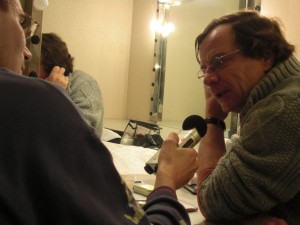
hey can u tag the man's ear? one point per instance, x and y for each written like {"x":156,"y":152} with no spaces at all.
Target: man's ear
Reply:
{"x":268,"y":63}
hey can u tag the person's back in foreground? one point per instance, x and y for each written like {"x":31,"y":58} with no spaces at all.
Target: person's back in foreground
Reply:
{"x":249,"y":68}
{"x":54,"y":169}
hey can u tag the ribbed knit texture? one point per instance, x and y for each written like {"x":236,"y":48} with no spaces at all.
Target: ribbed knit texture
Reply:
{"x":262,"y":171}
{"x":85,"y":93}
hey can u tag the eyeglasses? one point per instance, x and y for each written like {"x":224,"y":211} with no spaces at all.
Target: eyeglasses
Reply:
{"x":29,"y":25}
{"x":215,"y":64}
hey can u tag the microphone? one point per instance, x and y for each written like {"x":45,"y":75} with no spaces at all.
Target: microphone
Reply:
{"x":196,"y":129}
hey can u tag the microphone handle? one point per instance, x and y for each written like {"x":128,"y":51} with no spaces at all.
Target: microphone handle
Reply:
{"x":189,"y":140}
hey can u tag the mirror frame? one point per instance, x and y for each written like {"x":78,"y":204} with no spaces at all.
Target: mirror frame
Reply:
{"x":159,"y":62}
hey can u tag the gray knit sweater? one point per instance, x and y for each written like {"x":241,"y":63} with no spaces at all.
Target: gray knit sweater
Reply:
{"x":262,"y":171}
{"x":86,"y":94}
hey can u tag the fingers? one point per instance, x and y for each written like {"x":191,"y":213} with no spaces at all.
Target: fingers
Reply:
{"x":58,"y":77}
{"x":56,"y":70}
{"x":172,"y":139}
{"x":213,"y":107}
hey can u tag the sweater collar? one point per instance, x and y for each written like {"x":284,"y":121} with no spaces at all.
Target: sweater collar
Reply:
{"x":275,"y":77}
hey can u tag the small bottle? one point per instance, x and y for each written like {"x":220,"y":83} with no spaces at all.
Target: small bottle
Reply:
{"x":229,"y":134}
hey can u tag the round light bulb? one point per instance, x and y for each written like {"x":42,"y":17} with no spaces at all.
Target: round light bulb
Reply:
{"x":40,"y":4}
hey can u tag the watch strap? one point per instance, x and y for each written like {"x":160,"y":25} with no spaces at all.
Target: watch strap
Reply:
{"x":216,"y":121}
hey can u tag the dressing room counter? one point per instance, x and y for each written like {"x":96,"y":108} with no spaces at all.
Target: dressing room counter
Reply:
{"x":130,"y":161}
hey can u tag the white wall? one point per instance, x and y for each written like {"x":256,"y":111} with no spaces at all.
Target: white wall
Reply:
{"x":288,"y":13}
{"x":112,"y":41}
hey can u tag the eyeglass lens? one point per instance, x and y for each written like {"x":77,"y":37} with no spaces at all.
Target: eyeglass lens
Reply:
{"x":31,"y":30}
{"x":215,"y":63}
{"x":29,"y":26}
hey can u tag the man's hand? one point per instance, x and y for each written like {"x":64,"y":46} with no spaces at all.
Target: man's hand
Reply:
{"x":58,"y":77}
{"x":176,"y":166}
{"x":262,"y":219}
{"x":213,"y":108}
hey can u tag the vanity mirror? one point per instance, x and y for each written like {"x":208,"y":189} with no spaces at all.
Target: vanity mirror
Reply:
{"x":112,"y":41}
{"x":178,"y":92}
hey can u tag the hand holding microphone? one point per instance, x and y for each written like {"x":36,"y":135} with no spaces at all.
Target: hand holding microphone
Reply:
{"x":176,"y":165}
{"x":196,"y":127}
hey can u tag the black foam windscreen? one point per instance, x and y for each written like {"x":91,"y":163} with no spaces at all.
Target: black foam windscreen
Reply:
{"x":197,"y":122}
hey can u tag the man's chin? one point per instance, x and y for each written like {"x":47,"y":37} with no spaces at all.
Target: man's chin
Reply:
{"x":226,"y":108}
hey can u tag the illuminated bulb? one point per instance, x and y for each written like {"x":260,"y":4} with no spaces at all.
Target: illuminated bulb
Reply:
{"x":40,"y":4}
{"x":157,"y":66}
{"x":165,"y":29}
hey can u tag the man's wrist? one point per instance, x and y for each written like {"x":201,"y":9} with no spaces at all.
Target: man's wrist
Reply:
{"x":164,"y":179}
{"x":219,"y":123}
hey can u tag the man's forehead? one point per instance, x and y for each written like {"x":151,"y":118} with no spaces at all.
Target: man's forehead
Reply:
{"x":220,"y":37}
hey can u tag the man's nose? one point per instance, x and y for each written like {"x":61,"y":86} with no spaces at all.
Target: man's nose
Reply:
{"x":210,"y":77}
{"x":27,"y":54}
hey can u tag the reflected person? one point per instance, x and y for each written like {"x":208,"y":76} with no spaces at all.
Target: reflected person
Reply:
{"x":53,"y":167}
{"x":57,"y":67}
{"x":249,"y":68}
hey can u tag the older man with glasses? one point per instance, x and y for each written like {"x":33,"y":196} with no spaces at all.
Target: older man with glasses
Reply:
{"x":53,"y":167}
{"x":249,"y":68}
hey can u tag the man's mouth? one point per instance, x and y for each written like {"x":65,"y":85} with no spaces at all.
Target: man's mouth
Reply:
{"x":221,"y":94}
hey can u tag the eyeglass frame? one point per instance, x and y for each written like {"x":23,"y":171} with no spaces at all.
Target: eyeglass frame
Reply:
{"x":214,"y":68}
{"x":29,"y":29}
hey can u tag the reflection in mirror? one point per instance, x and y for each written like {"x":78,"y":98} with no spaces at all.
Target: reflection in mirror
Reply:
{"x":181,"y":93}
